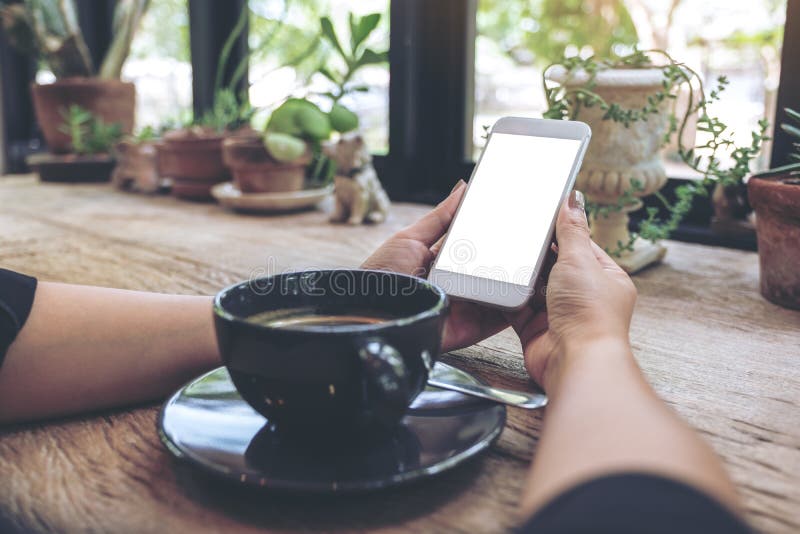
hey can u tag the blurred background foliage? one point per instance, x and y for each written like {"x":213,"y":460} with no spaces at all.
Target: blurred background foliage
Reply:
{"x":540,"y":31}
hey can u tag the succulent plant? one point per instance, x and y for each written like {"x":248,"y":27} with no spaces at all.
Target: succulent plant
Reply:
{"x":793,"y":130}
{"x":89,"y":134}
{"x":284,"y":147}
{"x":302,"y":120}
{"x":48,"y":30}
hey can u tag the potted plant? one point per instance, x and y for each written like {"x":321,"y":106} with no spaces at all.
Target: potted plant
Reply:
{"x":775,"y":196}
{"x":137,"y":162}
{"x":48,"y":31}
{"x":90,"y":142}
{"x":629,"y":103}
{"x":290,"y":153}
{"x":271,"y":162}
{"x":191,"y":156}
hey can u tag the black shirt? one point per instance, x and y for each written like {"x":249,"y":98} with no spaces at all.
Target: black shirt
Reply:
{"x":633,"y":504}
{"x":16,"y":299}
{"x":619,"y":504}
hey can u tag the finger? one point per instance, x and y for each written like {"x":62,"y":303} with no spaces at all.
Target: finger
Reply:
{"x":433,"y":226}
{"x":604,"y":259}
{"x":539,"y":298}
{"x":533,"y":328}
{"x":518,"y":319}
{"x":572,"y":229}
{"x":536,"y":352}
{"x":438,"y":245}
{"x":470,"y":323}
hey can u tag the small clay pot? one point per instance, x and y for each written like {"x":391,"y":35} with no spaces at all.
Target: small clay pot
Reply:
{"x":730,"y":202}
{"x":111,"y":100}
{"x":137,"y":167}
{"x":777,"y":204}
{"x":732,"y":213}
{"x":256,"y":171}
{"x":193,"y":160}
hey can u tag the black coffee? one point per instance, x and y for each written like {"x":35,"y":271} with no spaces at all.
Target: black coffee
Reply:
{"x":306,"y":318}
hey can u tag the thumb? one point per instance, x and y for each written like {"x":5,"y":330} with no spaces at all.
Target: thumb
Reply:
{"x":572,"y":229}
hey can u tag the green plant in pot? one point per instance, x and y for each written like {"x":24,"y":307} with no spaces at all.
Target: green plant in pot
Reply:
{"x":48,"y":31}
{"x":137,"y":161}
{"x":630,"y":104}
{"x":91,"y":142}
{"x":775,"y":196}
{"x":193,"y":156}
{"x":290,"y":154}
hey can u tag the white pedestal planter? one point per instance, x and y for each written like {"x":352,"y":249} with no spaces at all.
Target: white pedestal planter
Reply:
{"x":617,"y":154}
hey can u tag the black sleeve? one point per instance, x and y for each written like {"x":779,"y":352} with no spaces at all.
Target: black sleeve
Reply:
{"x":634,"y":504}
{"x":16,"y":299}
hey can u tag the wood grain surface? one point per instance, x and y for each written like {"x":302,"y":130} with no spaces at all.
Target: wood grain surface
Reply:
{"x":724,"y":358}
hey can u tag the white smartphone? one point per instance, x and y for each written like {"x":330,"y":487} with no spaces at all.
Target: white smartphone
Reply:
{"x":501,"y":233}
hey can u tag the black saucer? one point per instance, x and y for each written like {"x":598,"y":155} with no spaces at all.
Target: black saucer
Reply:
{"x":208,"y":424}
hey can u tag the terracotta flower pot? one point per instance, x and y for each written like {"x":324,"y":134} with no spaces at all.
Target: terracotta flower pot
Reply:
{"x":137,"y":166}
{"x":193,"y":160}
{"x":732,"y":212}
{"x":777,"y":204}
{"x":256,"y":171}
{"x":111,"y":100}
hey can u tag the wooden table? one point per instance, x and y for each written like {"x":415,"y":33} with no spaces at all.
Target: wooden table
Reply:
{"x":724,"y":358}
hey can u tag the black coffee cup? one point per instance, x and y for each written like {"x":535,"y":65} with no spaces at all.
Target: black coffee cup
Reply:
{"x":320,"y":376}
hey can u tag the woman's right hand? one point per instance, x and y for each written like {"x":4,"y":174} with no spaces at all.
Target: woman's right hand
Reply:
{"x":589,"y":299}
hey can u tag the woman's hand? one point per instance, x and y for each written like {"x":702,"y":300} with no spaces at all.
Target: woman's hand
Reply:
{"x":413,"y":249}
{"x":589,"y":299}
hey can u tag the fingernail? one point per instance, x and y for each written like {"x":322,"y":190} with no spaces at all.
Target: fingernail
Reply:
{"x":576,"y":200}
{"x":458,"y":186}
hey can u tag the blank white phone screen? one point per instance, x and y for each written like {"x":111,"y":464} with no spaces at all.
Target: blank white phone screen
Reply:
{"x":505,"y":218}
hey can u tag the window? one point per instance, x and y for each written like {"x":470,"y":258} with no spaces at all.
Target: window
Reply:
{"x":160,"y":64}
{"x":285,"y":57}
{"x":456,"y":66}
{"x":739,"y":39}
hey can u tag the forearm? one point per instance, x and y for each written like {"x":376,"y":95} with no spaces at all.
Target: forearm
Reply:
{"x":84,"y":348}
{"x":604,"y":418}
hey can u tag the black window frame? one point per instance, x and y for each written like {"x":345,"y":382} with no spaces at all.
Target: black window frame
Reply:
{"x":431,"y":94}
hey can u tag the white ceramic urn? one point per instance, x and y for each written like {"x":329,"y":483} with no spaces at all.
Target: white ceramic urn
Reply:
{"x":617,"y":154}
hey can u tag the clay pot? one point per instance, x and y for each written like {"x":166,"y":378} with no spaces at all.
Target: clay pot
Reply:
{"x":137,"y":167}
{"x":256,"y":171}
{"x":111,"y":100}
{"x":730,"y":202}
{"x":193,"y":160}
{"x":777,"y":204}
{"x":732,"y":212}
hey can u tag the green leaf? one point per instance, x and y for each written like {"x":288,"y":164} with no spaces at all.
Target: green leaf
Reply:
{"x":328,"y":74}
{"x":795,"y":116}
{"x":314,"y":124}
{"x":791,"y":130}
{"x":284,"y":147}
{"x":330,"y":34}
{"x":342,"y":119}
{"x":779,"y":170}
{"x":353,"y":22}
{"x":371,"y":57}
{"x":366,"y":26}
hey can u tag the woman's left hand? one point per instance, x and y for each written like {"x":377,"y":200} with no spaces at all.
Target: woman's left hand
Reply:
{"x":413,"y":249}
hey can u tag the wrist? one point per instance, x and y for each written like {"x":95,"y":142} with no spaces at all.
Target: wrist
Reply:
{"x":571,"y":353}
